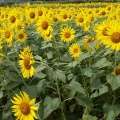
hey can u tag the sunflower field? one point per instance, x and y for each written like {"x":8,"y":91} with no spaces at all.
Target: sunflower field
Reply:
{"x":60,"y":61}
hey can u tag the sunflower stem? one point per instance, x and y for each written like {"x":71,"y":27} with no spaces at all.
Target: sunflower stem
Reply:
{"x":58,"y":89}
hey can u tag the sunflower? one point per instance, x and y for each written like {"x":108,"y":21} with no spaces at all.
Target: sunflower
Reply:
{"x":75,"y":50}
{"x":26,"y":63}
{"x":41,"y":11}
{"x":43,"y":24}
{"x":88,"y":40}
{"x":101,"y":30}
{"x":31,"y":15}
{"x":62,"y":26}
{"x":112,"y":41}
{"x":116,"y":71}
{"x":21,"y":36}
{"x":64,"y":15}
{"x":12,"y":18}
{"x":24,"y":108}
{"x":48,"y":35}
{"x":67,"y":34}
{"x":7,"y":35}
{"x":80,"y":19}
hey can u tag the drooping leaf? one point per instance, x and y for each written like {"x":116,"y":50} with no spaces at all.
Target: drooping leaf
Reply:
{"x":61,"y":75}
{"x":103,"y":62}
{"x":75,"y":86}
{"x":114,"y":81}
{"x":50,"y":104}
{"x":89,"y":117}
{"x":111,"y":111}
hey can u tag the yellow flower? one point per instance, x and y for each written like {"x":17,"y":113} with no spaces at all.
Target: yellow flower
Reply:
{"x":80,"y":19}
{"x":21,"y":36}
{"x":43,"y":24}
{"x":112,"y":41}
{"x":31,"y":15}
{"x":67,"y":34}
{"x":101,"y":30}
{"x":24,"y":108}
{"x":7,"y":34}
{"x":116,"y":71}
{"x":48,"y":35}
{"x":26,"y":63}
{"x":75,"y":50}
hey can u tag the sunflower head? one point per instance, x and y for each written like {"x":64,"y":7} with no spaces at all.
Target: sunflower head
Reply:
{"x":67,"y":34}
{"x":23,"y":107}
{"x":116,"y":71}
{"x":75,"y":50}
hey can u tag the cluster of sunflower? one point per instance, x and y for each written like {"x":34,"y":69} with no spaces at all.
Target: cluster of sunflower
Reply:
{"x":76,"y":26}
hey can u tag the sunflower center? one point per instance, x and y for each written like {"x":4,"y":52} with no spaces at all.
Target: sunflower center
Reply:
{"x":2,"y":16}
{"x":117,"y":71}
{"x":97,"y":11}
{"x":21,"y":36}
{"x":55,"y":19}
{"x":32,"y":15}
{"x":25,"y":108}
{"x":115,"y":37}
{"x":26,"y":24}
{"x":75,"y":50}
{"x":27,"y":63}
{"x":104,"y":32}
{"x":19,"y":27}
{"x":103,"y":13}
{"x":12,"y":19}
{"x":7,"y":34}
{"x":67,"y":34}
{"x":45,"y":25}
{"x":89,"y":40}
{"x":109,"y":8}
{"x":40,"y":13}
{"x":90,"y":12}
{"x":81,"y":19}
{"x":65,"y":16}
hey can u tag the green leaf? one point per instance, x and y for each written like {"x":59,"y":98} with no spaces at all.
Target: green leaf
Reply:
{"x":72,"y":107}
{"x":37,"y":57}
{"x":49,"y":55}
{"x":103,"y":89}
{"x":89,"y":117}
{"x":14,"y":77}
{"x":114,"y":81}
{"x":31,"y":90}
{"x":83,"y":100}
{"x":92,"y":44}
{"x":84,"y":56}
{"x":73,"y":64}
{"x":40,"y":68}
{"x":40,"y":75}
{"x":50,"y":104}
{"x":87,"y":71}
{"x":41,"y":85}
{"x":75,"y":86}
{"x":61,"y":75}
{"x":66,"y":57}
{"x":12,"y":85}
{"x":45,"y":45}
{"x":70,"y":76}
{"x":111,"y":111}
{"x":1,"y":94}
{"x":102,"y":63}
